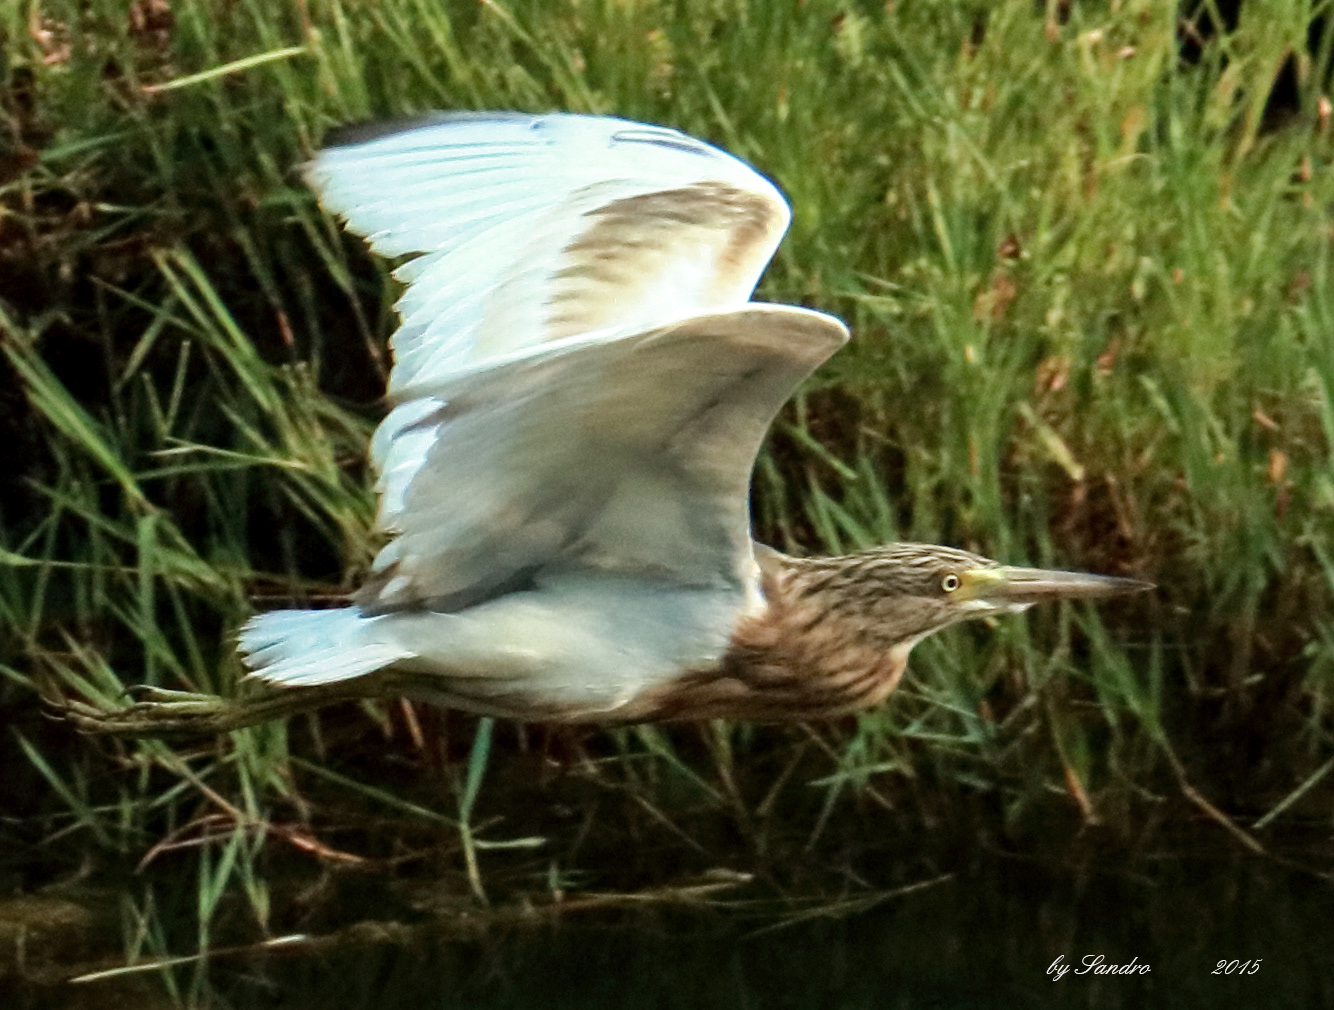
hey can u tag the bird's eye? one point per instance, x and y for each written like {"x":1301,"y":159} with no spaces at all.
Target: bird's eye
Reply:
{"x":950,"y":582}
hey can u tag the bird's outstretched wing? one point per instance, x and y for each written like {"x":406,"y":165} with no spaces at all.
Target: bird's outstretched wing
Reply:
{"x":621,"y":453}
{"x":527,"y":229}
{"x":580,"y":378}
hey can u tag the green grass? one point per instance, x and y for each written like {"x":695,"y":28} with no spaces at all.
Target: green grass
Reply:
{"x":1093,"y":301}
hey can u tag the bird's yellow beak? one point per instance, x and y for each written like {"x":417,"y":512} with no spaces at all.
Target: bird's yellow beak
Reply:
{"x":1006,"y":585}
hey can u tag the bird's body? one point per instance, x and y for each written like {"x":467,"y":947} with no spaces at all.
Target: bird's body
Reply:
{"x":581,"y":385}
{"x":606,"y":648}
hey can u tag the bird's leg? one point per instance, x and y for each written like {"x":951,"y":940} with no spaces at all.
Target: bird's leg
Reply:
{"x":159,"y":712}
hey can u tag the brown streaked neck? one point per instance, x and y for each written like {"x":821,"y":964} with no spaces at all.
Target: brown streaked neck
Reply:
{"x":811,"y":654}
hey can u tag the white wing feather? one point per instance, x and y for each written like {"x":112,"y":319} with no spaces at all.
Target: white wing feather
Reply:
{"x":532,"y":228}
{"x":627,"y":454}
{"x":581,"y":380}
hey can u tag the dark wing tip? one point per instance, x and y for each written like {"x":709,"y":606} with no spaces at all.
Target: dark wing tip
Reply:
{"x":354,"y":134}
{"x":661,"y":136}
{"x":377,"y":129}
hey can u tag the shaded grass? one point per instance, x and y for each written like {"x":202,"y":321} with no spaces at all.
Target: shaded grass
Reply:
{"x":1095,"y":328}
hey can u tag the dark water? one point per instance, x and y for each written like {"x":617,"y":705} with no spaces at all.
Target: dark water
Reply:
{"x":982,"y":938}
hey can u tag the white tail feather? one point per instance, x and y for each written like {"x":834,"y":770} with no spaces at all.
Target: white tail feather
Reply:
{"x":300,"y":648}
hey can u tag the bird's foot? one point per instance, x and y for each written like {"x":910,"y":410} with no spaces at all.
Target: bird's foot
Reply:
{"x":155,"y":712}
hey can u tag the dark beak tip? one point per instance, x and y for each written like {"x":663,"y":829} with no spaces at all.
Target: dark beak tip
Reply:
{"x":1115,"y":585}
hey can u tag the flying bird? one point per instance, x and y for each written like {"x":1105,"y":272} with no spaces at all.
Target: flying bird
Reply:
{"x":581,"y":384}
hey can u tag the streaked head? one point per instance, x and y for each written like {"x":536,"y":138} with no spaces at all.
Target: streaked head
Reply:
{"x":900,"y":593}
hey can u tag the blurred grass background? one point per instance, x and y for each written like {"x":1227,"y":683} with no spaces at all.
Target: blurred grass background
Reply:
{"x":1086,"y":252}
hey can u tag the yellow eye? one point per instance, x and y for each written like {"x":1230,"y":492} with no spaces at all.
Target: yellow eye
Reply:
{"x":950,"y":582}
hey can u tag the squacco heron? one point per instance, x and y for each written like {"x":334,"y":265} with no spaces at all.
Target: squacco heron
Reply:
{"x":581,"y":385}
